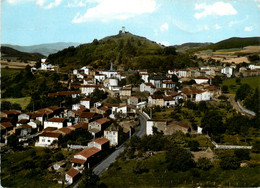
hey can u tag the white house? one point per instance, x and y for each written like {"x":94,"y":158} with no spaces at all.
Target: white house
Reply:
{"x":88,"y":81}
{"x":181,"y":73}
{"x":227,"y":71}
{"x":150,"y":123}
{"x":47,"y":138}
{"x":55,"y":122}
{"x":145,"y":77}
{"x":147,"y":87}
{"x":100,"y":143}
{"x":80,"y":159}
{"x":75,"y":71}
{"x":85,"y":102}
{"x":168,"y":84}
{"x":141,"y":105}
{"x":119,"y":110}
{"x":199,"y":130}
{"x":88,"y":89}
{"x":201,"y":80}
{"x":86,"y":69}
{"x":169,"y":101}
{"x":71,"y":176}
{"x":99,"y":77}
{"x":111,"y":133}
{"x":23,"y":116}
{"x":204,"y":96}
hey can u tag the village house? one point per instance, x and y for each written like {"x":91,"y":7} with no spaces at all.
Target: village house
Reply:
{"x":10,"y":114}
{"x":169,"y":101}
{"x":154,"y":123}
{"x":6,"y":128}
{"x":23,"y":116}
{"x":112,"y":134}
{"x":71,"y":176}
{"x":85,"y":102}
{"x":99,"y":78}
{"x":88,"y":89}
{"x":22,"y":122}
{"x":23,"y":130}
{"x":97,"y":127}
{"x":156,"y":100}
{"x":88,"y":117}
{"x":147,"y":87}
{"x":55,"y":122}
{"x":168,"y":84}
{"x":133,"y":100}
{"x":121,"y":111}
{"x":100,"y":143}
{"x":201,"y":80}
{"x":125,"y":92}
{"x":228,"y":71}
{"x":196,"y":95}
{"x":64,"y":131}
{"x":47,"y":138}
{"x":103,"y":110}
{"x":84,"y":158}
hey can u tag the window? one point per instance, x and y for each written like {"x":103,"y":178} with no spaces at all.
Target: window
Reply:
{"x":49,"y":141}
{"x":43,"y":140}
{"x":113,"y":133}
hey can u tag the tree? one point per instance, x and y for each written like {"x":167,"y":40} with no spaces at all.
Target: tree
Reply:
{"x":229,"y":162}
{"x":193,"y":145}
{"x":212,"y":123}
{"x":242,"y":155}
{"x":58,"y":156}
{"x":179,"y":159}
{"x":243,"y":91}
{"x":224,"y":89}
{"x":175,"y":78}
{"x":204,"y":163}
{"x":13,"y":141}
{"x":16,"y":106}
{"x":238,"y":81}
{"x":89,"y":179}
{"x":6,"y":105}
{"x":140,"y":168}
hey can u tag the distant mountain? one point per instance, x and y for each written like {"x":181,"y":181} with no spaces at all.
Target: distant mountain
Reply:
{"x":44,"y":49}
{"x":7,"y":52}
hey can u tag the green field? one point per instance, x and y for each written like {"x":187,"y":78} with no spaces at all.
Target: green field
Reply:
{"x":121,"y":175}
{"x":254,"y":82}
{"x":24,"y":101}
{"x":9,"y":72}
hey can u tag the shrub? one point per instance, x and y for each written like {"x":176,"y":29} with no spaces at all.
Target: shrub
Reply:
{"x":204,"y":163}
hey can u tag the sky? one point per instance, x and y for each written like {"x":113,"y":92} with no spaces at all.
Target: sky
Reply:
{"x":169,"y":22}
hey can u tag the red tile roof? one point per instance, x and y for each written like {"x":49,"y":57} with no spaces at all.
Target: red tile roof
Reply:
{"x":65,"y":130}
{"x":81,"y":125}
{"x":49,"y":129}
{"x":23,"y":121}
{"x":102,"y":121}
{"x":157,"y":97}
{"x":103,"y":108}
{"x":26,"y":126}
{"x":150,"y":84}
{"x":55,"y":119}
{"x":15,"y":112}
{"x":7,"y":124}
{"x":50,"y":134}
{"x":78,"y":161}
{"x":72,"y":172}
{"x":88,"y":115}
{"x":85,"y":99}
{"x":101,"y":141}
{"x":63,"y":93}
{"x":88,"y":152}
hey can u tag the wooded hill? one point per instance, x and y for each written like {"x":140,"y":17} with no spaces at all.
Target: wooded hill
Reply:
{"x":125,"y":50}
{"x":11,"y":53}
{"x":234,"y":42}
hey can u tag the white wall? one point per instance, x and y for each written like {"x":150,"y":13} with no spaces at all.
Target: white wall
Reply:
{"x":58,"y":125}
{"x":149,"y":127}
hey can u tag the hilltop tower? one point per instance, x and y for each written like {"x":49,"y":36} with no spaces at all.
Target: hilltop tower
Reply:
{"x":123,"y":29}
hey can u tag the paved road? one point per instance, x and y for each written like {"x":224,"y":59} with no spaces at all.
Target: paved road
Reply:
{"x":100,"y":169}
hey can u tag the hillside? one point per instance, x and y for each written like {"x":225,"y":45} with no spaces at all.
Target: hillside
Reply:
{"x":44,"y":49}
{"x":234,"y":42}
{"x":8,"y":52}
{"x":191,"y":46}
{"x":125,"y":50}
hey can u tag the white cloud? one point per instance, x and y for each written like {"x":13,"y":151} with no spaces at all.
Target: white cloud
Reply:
{"x":218,"y":8}
{"x":48,"y":4}
{"x":237,"y":21}
{"x":77,"y":3}
{"x":165,"y":43}
{"x":164,"y":27}
{"x":217,"y":26}
{"x":188,"y":28}
{"x":258,"y":3}
{"x":116,"y":9}
{"x":14,"y":2}
{"x":248,"y":28}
